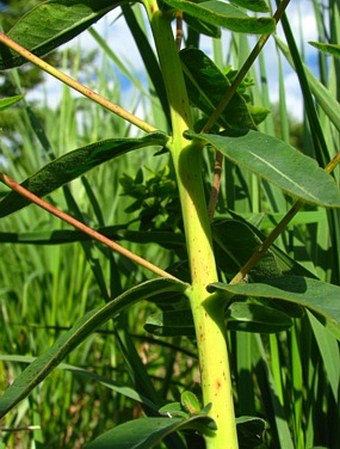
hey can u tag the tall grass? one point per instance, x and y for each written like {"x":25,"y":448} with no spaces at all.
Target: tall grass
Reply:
{"x":291,"y":379}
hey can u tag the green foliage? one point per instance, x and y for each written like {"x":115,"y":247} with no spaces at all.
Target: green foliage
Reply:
{"x":331,"y":49}
{"x":7,"y":102}
{"x":72,"y":165}
{"x":277,"y":162}
{"x":143,"y":362}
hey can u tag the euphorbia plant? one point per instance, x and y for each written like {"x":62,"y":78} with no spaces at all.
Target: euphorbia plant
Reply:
{"x":190,"y":86}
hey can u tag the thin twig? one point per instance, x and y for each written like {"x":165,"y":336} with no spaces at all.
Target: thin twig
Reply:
{"x":19,"y":429}
{"x":82,"y":227}
{"x":74,"y":84}
{"x":179,"y":29}
{"x":277,"y":230}
{"x":241,"y":74}
{"x":216,"y":184}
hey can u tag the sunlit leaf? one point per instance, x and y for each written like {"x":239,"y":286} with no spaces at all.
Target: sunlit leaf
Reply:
{"x":190,"y":402}
{"x":319,"y":297}
{"x":7,"y":102}
{"x":202,"y":27}
{"x":331,"y":49}
{"x":145,"y":433}
{"x":72,"y":165}
{"x":278,"y":162}
{"x":51,"y":24}
{"x":224,"y":15}
{"x":252,"y":5}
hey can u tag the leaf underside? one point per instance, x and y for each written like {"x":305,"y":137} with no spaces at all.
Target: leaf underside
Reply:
{"x":224,"y":15}
{"x":319,"y":297}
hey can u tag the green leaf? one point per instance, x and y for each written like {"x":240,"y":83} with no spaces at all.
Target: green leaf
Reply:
{"x":145,"y":433}
{"x":331,"y":49}
{"x":250,"y":431}
{"x":89,"y":375}
{"x":44,"y":364}
{"x":202,"y":27}
{"x":171,"y":323}
{"x":191,"y":402}
{"x":7,"y":102}
{"x":173,"y":409}
{"x":321,"y":298}
{"x":206,"y":86}
{"x":72,"y":165}
{"x":250,"y":317}
{"x":235,"y":243}
{"x":278,"y":162}
{"x":238,"y":240}
{"x":225,"y":15}
{"x":51,"y":24}
{"x":252,"y":5}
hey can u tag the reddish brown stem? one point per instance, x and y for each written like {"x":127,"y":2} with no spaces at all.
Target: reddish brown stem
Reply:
{"x":82,"y":227}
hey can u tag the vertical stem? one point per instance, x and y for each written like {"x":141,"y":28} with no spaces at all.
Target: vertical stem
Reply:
{"x":207,"y":309}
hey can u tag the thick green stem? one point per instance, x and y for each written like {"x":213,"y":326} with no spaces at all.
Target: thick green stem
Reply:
{"x":206,"y":308}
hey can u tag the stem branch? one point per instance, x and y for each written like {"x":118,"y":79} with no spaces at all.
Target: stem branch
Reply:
{"x":74,"y":84}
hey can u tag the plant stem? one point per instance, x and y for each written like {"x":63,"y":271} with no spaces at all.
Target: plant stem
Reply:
{"x":206,"y":308}
{"x":86,"y":91}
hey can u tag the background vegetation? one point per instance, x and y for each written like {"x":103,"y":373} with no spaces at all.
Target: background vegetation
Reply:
{"x":50,"y":276}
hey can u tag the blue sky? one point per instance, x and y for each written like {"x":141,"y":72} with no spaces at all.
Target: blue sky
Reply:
{"x":117,"y":35}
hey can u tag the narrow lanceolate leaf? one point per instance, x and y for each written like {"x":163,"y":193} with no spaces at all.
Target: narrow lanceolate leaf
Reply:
{"x":331,"y":49}
{"x":7,"y":102}
{"x":278,"y":162}
{"x":224,"y":15}
{"x":145,"y":433}
{"x":321,"y":298}
{"x":44,"y":364}
{"x":74,"y":164}
{"x":52,"y":23}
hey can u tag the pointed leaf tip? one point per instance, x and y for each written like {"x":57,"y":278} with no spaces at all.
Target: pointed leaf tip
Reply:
{"x":278,"y":162}
{"x":319,"y":297}
{"x":73,"y":164}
